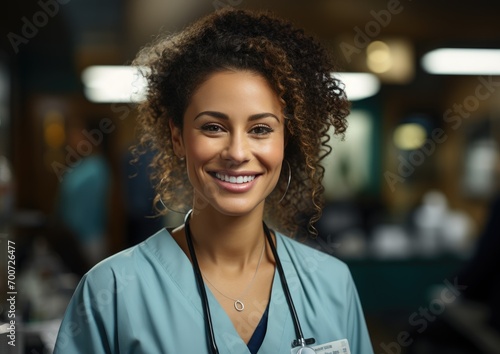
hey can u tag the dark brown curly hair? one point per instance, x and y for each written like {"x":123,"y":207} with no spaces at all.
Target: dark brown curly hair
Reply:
{"x":297,"y":68}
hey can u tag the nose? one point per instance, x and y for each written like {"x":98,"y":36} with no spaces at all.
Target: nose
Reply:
{"x":237,"y":149}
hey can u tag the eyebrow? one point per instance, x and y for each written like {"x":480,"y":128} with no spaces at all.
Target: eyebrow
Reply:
{"x":224,"y":116}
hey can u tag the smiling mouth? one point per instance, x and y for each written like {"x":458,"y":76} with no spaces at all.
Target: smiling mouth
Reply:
{"x":234,"y":179}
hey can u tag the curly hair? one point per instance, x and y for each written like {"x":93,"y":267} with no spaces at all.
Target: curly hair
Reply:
{"x":297,"y":68}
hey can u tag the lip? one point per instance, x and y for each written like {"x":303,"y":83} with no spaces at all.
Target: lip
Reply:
{"x":236,"y":173}
{"x":235,"y":187}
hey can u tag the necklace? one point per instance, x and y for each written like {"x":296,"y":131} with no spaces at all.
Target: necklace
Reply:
{"x":238,"y":304}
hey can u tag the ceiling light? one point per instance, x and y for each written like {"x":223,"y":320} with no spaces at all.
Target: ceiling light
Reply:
{"x":409,"y":136}
{"x":456,"y":61}
{"x":114,"y":84}
{"x":127,"y":84}
{"x":359,"y":85}
{"x":378,"y":57}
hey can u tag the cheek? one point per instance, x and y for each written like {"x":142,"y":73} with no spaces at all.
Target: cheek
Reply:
{"x":198,"y":156}
{"x":198,"y":150}
{"x":273,"y":153}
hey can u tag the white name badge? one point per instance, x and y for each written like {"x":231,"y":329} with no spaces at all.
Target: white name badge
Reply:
{"x":335,"y":347}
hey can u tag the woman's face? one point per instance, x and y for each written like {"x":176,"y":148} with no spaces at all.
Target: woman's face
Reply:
{"x":233,"y":141}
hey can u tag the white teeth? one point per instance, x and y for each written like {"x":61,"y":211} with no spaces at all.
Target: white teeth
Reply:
{"x":233,"y":179}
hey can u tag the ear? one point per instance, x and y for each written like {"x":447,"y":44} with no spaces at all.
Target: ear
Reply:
{"x":177,"y":142}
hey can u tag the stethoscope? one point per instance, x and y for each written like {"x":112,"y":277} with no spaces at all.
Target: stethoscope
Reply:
{"x":300,"y":342}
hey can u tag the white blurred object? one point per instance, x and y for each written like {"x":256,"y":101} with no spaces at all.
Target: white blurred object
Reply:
{"x":113,"y":83}
{"x":352,"y":244}
{"x":439,"y":229}
{"x":462,"y":61}
{"x":428,"y":220}
{"x":6,"y":190}
{"x":480,"y":164}
{"x":455,"y":232}
{"x":359,"y":86}
{"x":391,"y":242}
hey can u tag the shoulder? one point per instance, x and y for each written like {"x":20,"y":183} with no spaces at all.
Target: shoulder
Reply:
{"x":318,"y":277}
{"x":312,"y":261}
{"x":127,"y":265}
{"x":299,"y":250}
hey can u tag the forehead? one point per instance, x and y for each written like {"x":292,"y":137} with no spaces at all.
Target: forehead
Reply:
{"x":235,"y":90}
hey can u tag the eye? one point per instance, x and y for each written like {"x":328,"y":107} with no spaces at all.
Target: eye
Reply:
{"x":261,"y":130}
{"x":212,"y":128}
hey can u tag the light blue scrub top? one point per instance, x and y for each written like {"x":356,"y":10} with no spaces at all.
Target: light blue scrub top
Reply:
{"x":145,"y":300}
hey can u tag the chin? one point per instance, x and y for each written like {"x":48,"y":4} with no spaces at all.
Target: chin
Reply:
{"x":235,"y":208}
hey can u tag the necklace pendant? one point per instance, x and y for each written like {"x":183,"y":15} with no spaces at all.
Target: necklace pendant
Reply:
{"x":239,"y":306}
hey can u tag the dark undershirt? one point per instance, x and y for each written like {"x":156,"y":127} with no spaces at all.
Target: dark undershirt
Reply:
{"x":258,"y":335}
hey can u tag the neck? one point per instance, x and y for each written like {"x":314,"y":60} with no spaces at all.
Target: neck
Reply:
{"x":234,"y":241}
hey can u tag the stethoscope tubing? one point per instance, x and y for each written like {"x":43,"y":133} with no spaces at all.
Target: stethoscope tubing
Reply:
{"x":212,"y":345}
{"x":300,"y":341}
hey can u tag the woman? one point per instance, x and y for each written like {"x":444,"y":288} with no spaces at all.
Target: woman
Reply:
{"x":238,"y":109}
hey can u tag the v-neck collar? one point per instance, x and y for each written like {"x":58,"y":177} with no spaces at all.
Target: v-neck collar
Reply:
{"x":180,"y":270}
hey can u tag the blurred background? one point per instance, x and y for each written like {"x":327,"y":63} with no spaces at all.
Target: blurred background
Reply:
{"x":412,"y":193}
